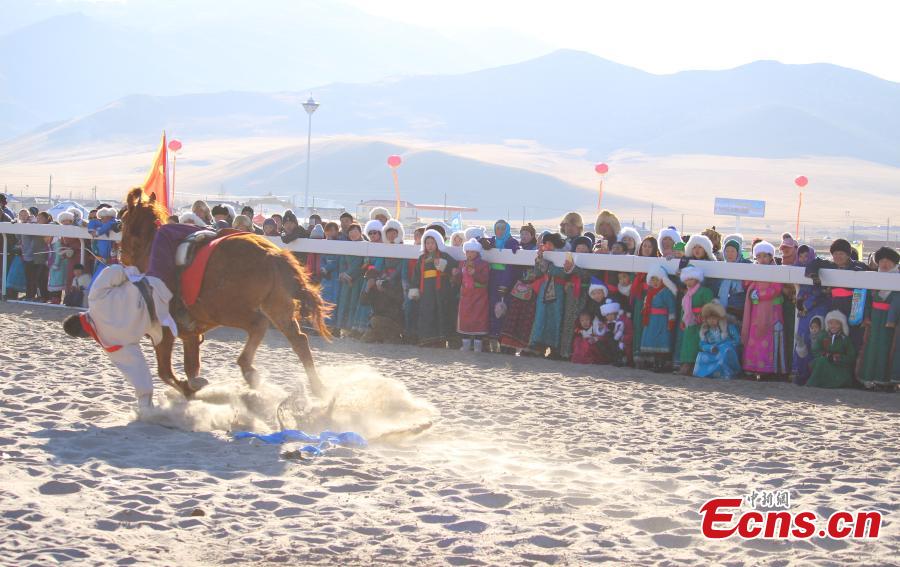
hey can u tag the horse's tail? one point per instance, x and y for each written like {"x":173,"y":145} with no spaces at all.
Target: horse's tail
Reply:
{"x":312,"y":307}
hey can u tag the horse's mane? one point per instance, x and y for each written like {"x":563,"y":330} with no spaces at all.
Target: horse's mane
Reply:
{"x":142,"y":217}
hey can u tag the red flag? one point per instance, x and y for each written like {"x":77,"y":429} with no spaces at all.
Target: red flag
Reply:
{"x":156,"y":182}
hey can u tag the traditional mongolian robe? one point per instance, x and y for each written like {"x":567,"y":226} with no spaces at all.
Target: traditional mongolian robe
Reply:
{"x":833,"y":359}
{"x":550,"y":305}
{"x":363,"y":307}
{"x":811,"y":302}
{"x":521,"y":306}
{"x":718,"y":357}
{"x":473,"y":316}
{"x":331,"y":283}
{"x":349,"y":291}
{"x":883,"y":309}
{"x":658,"y":319}
{"x":576,"y":298}
{"x":502,"y":278}
{"x":690,"y":318}
{"x":60,"y":259}
{"x":436,"y":322}
{"x":636,"y":296}
{"x":762,"y":333}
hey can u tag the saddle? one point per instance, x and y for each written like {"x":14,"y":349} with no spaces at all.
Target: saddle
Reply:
{"x":187,"y":249}
{"x":191,"y":257}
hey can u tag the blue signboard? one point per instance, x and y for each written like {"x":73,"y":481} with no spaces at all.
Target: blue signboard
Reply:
{"x":740,"y":207}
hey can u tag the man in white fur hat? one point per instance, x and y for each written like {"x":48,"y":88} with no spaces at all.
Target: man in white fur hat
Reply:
{"x":124,"y":307}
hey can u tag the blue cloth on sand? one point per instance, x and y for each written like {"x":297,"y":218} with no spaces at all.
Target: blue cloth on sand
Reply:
{"x":323,"y":441}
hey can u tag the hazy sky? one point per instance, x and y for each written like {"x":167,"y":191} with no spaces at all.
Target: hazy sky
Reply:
{"x":664,"y":36}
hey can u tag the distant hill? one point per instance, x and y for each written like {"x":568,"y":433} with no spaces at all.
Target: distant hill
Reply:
{"x":59,"y":60}
{"x":567,"y":99}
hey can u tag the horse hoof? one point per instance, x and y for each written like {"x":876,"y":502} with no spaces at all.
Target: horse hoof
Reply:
{"x":197,"y":383}
{"x":253,"y":379}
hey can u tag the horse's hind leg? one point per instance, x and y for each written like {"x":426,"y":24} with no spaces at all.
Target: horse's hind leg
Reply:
{"x":256,"y":331}
{"x":285,"y":319}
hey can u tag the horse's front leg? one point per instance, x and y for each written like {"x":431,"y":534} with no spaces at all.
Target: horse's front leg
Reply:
{"x":164,"y":364}
{"x":191,"y":344}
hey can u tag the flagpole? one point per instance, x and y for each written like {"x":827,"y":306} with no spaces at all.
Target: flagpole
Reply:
{"x":397,"y":191}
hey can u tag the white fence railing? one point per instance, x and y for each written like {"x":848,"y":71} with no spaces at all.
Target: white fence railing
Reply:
{"x":722,"y":270}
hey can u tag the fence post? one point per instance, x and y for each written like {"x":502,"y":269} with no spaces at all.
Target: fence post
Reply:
{"x":5,"y":251}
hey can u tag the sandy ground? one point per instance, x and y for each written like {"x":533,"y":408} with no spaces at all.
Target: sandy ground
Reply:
{"x":527,"y":461}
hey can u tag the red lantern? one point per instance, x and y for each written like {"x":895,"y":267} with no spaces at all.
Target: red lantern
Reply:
{"x":601,"y":168}
{"x":394,"y":161}
{"x":174,"y":145}
{"x":801,"y":181}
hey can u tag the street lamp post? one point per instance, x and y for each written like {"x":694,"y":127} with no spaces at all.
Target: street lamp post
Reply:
{"x":309,"y":106}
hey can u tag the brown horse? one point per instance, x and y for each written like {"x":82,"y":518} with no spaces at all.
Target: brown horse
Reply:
{"x":248,"y":283}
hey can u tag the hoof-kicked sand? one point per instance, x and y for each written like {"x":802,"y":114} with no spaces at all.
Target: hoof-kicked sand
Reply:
{"x":525,"y":461}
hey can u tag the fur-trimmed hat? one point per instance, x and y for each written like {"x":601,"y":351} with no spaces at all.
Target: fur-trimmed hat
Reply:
{"x":396,"y":225}
{"x":633,"y":234}
{"x":691,"y":273}
{"x":65,"y":216}
{"x":379,"y":211}
{"x":461,"y":234}
{"x":606,"y":216}
{"x":610,"y":307}
{"x":373,"y":225}
{"x":573,"y":218}
{"x":474,"y":232}
{"x":438,"y":239}
{"x":660,"y":272}
{"x":190,"y":218}
{"x":841,"y":245}
{"x":669,"y":232}
{"x":714,"y":236}
{"x":317,"y":232}
{"x":714,"y":309}
{"x":887,"y":253}
{"x":472,"y":245}
{"x":701,"y":241}
{"x":838,"y":316}
{"x":763,"y":248}
{"x":596,"y":285}
{"x":106,"y":212}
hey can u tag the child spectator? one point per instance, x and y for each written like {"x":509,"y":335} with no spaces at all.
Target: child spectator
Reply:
{"x":473,"y":321}
{"x":616,"y":335}
{"x":762,"y":333}
{"x":668,"y":238}
{"x":587,"y":333}
{"x":59,"y":261}
{"x":502,"y":278}
{"x":630,"y":239}
{"x":76,"y":293}
{"x":658,"y":318}
{"x":410,"y":307}
{"x":329,"y":274}
{"x":719,"y":342}
{"x":834,"y":355}
{"x":695,"y":297}
{"x":575,"y":294}
{"x":432,"y":290}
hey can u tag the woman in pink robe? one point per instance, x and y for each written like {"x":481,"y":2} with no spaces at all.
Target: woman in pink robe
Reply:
{"x":762,"y":332}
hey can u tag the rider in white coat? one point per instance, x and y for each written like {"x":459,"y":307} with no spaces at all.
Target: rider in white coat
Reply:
{"x":124,"y":307}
